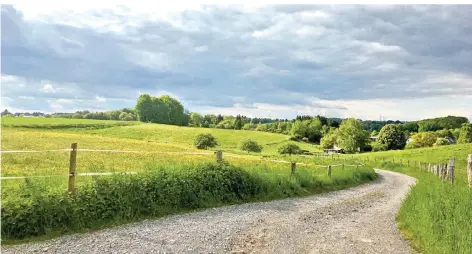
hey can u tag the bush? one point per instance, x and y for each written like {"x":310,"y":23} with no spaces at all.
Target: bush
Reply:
{"x":250,"y":146}
{"x":377,"y":147}
{"x":296,"y":137}
{"x":205,"y":140}
{"x":441,"y":142}
{"x":289,"y":149}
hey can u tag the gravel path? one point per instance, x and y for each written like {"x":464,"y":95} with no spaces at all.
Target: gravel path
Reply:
{"x":356,"y":220}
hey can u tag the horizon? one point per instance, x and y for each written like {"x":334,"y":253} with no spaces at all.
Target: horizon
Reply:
{"x":406,"y":63}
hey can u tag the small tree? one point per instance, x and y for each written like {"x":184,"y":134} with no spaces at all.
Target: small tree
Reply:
{"x":289,"y":149}
{"x":205,"y":140}
{"x":329,"y":140}
{"x":392,"y":136}
{"x":465,"y":134}
{"x":376,"y":147}
{"x":250,"y":146}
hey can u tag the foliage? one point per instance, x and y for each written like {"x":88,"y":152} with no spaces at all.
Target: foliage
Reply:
{"x":351,"y":135}
{"x":435,"y":124}
{"x":441,"y":142}
{"x":329,"y":140}
{"x":465,"y":134}
{"x":126,"y":117}
{"x":196,"y":120}
{"x":392,"y":136}
{"x":422,"y":139}
{"x":250,"y":145}
{"x":238,"y":122}
{"x":164,"y":109}
{"x":205,"y":140}
{"x":377,"y":147}
{"x":289,"y":149}
{"x":374,"y":133}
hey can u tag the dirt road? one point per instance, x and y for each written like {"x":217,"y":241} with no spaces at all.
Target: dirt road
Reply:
{"x":357,"y":220}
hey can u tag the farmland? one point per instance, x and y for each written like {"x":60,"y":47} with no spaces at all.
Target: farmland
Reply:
{"x":38,"y":207}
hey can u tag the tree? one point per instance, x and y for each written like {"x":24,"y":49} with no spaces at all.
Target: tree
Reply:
{"x":422,"y":139}
{"x":6,"y":112}
{"x":250,"y":146}
{"x":374,"y":133}
{"x":329,"y":140}
{"x":205,"y":140}
{"x":289,"y":149}
{"x":351,"y":135}
{"x":126,"y":117}
{"x":164,"y":109}
{"x":195,"y":120}
{"x":465,"y":134}
{"x":376,"y":147}
{"x":238,"y":122}
{"x":392,"y":136}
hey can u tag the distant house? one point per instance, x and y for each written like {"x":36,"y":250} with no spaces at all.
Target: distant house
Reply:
{"x":335,"y":149}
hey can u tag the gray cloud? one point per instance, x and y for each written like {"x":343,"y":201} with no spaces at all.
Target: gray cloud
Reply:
{"x":222,"y":56}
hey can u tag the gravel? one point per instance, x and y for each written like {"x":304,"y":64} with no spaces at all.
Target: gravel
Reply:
{"x":356,"y":220}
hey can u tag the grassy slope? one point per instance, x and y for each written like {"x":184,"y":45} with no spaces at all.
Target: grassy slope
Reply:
{"x":12,"y":121}
{"x":436,"y":217}
{"x":275,"y":177}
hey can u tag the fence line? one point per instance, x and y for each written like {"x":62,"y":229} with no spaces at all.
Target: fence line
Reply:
{"x":73,"y":161}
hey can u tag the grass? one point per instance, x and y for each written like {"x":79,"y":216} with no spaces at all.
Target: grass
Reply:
{"x":39,"y":208}
{"x":436,"y":217}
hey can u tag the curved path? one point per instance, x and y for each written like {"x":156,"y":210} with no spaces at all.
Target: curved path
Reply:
{"x":356,"y":220}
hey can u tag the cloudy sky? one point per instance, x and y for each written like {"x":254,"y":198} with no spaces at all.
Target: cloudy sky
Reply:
{"x":401,"y":62}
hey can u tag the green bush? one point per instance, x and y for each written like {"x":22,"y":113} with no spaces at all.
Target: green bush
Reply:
{"x":250,"y":146}
{"x":289,"y":149}
{"x":377,"y":147}
{"x":205,"y":140}
{"x":296,"y":137}
{"x":109,"y":200}
{"x":441,"y":142}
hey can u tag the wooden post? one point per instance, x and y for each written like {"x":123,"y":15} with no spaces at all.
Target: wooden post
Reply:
{"x":219,"y":156}
{"x":293,"y":166}
{"x":443,"y":172}
{"x":383,"y":160}
{"x":329,"y":171}
{"x":469,"y":170}
{"x":72,"y":167}
{"x":343,"y":167}
{"x":451,"y":170}
{"x":393,"y":160}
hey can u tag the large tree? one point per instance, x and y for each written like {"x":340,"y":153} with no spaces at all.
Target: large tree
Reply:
{"x":351,"y":135}
{"x":164,"y":109}
{"x":392,"y":136}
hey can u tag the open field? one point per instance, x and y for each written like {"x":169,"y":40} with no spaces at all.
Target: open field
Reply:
{"x":59,"y":123}
{"x":436,"y":217}
{"x":40,"y":207}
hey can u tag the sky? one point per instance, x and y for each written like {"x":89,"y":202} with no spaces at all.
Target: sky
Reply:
{"x":403,"y":62}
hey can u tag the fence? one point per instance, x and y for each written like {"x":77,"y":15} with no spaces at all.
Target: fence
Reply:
{"x":445,"y":171}
{"x":218,"y":154}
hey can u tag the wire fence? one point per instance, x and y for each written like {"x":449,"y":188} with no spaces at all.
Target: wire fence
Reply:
{"x":74,"y":150}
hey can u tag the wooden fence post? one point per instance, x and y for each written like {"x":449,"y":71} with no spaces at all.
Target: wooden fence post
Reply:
{"x":329,"y":171}
{"x":393,"y":160}
{"x":72,"y":167}
{"x":451,"y":170}
{"x":293,"y":166}
{"x":343,"y":167}
{"x":469,"y":170}
{"x":219,"y":156}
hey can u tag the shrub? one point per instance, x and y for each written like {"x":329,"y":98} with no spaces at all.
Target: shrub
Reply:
{"x":205,"y":140}
{"x":289,"y":149}
{"x":441,"y":142}
{"x":377,"y":147}
{"x":296,"y":137}
{"x":250,"y":146}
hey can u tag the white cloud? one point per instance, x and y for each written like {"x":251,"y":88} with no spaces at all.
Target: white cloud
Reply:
{"x":63,"y":101}
{"x":203,"y":48}
{"x":26,"y":97}
{"x":47,"y":88}
{"x":100,"y":99}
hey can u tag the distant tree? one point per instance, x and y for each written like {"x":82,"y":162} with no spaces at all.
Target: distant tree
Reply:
{"x":205,"y":140}
{"x":126,"y":117}
{"x":374,"y":133}
{"x":195,"y":120}
{"x":238,"y":122}
{"x":250,"y":146}
{"x":422,"y":139}
{"x":351,"y":135}
{"x":377,"y":147}
{"x":392,"y":136}
{"x":289,"y":149}
{"x":465,"y":134}
{"x":6,"y":112}
{"x":329,"y":140}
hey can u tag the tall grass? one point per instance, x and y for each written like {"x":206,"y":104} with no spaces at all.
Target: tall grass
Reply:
{"x":39,"y":210}
{"x":436,"y":216}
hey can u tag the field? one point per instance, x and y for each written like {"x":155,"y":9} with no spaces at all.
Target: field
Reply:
{"x":437,"y":216}
{"x":39,"y":207}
